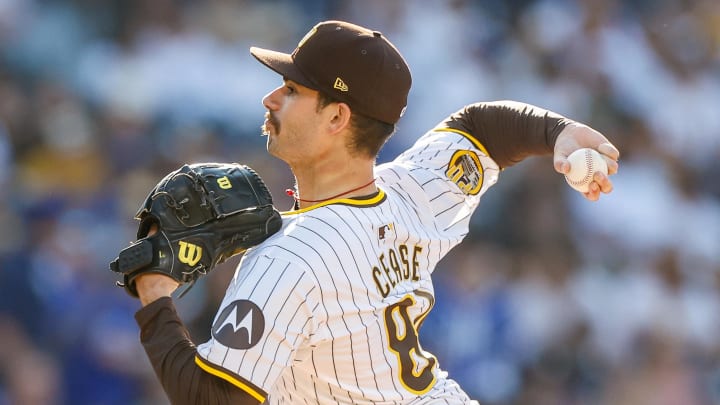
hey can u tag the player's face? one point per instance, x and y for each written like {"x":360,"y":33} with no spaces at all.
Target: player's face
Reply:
{"x":292,"y":123}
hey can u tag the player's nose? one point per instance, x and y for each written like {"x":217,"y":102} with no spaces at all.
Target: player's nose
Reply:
{"x":271,"y":101}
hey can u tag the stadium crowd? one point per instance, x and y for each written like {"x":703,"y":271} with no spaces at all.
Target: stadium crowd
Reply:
{"x":550,"y":300}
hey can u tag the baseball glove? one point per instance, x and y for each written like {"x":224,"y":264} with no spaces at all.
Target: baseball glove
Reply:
{"x":205,"y":213}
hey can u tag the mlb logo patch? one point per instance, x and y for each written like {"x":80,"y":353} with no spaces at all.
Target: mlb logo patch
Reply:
{"x":385,"y":231}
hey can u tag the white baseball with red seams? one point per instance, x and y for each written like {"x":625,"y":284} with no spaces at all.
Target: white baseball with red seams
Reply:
{"x":584,"y":163}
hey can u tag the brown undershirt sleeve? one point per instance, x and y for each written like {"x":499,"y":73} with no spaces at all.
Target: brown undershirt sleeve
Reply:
{"x":509,"y":130}
{"x":172,"y":355}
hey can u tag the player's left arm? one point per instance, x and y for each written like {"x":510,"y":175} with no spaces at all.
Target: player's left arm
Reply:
{"x":511,"y":131}
{"x":172,"y":355}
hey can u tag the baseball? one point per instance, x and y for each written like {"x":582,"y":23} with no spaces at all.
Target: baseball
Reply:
{"x":584,"y":163}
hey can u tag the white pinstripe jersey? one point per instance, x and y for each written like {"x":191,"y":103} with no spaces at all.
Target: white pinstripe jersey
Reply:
{"x":327,"y":310}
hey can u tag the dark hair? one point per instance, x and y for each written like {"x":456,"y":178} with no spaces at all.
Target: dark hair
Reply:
{"x":369,"y":134}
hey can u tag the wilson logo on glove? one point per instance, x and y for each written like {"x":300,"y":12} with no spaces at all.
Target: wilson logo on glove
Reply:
{"x":189,"y":254}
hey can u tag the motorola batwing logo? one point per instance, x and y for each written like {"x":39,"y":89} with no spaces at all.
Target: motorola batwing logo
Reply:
{"x":240,"y":325}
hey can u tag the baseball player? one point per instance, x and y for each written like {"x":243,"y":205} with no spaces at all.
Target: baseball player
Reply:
{"x":329,"y":309}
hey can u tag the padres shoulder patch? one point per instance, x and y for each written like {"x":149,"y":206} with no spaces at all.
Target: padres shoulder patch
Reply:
{"x":240,"y":325}
{"x":465,"y":170}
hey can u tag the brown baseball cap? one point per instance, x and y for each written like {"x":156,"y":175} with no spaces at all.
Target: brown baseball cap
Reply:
{"x":350,"y":63}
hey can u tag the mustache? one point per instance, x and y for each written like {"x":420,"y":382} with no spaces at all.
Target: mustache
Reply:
{"x":273,"y":121}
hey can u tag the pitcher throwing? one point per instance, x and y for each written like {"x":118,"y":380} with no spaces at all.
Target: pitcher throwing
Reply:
{"x":329,"y":309}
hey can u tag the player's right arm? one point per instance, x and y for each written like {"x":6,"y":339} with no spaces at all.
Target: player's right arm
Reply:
{"x":510,"y":131}
{"x":456,"y":162}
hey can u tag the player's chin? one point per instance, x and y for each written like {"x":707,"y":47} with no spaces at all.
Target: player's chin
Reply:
{"x":273,"y":147}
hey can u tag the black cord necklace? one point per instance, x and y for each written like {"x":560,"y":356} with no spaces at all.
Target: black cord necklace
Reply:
{"x":294,"y":195}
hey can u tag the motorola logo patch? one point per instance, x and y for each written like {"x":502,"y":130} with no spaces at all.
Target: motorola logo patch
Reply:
{"x":240,"y":325}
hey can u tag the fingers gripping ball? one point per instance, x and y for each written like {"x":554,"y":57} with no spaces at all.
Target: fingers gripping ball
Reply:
{"x":205,"y":213}
{"x":584,"y":163}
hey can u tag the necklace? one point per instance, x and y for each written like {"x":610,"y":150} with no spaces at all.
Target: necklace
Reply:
{"x":294,"y":195}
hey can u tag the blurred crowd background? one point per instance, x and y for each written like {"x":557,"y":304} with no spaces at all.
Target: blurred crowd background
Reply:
{"x":550,"y":300}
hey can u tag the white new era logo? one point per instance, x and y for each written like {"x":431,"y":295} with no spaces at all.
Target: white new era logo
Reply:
{"x":340,"y":85}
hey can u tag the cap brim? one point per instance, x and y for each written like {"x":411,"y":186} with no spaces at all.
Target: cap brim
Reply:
{"x":281,"y":63}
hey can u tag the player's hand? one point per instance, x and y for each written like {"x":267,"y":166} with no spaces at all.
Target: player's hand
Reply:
{"x":151,"y":286}
{"x":576,"y":136}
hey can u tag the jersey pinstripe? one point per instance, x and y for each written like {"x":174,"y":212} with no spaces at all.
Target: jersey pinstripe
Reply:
{"x":327,"y":310}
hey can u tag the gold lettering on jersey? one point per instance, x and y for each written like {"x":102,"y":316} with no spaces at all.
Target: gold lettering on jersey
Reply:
{"x":403,"y":249}
{"x":224,"y":182}
{"x":395,"y":266}
{"x":386,"y":270}
{"x":465,"y":170}
{"x":189,"y":253}
{"x":393,"y":259}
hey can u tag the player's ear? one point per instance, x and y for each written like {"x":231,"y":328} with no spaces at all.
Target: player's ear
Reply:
{"x":340,"y":116}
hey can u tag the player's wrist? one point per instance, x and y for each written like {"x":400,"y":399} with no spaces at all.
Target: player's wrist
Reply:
{"x":151,"y":287}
